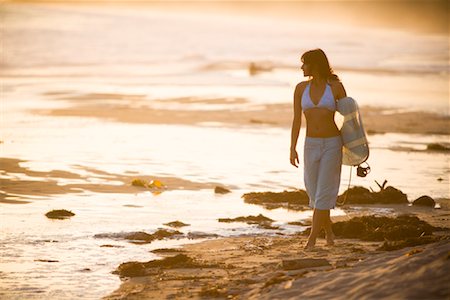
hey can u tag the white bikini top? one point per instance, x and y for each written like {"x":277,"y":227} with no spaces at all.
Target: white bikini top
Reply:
{"x":327,"y":100}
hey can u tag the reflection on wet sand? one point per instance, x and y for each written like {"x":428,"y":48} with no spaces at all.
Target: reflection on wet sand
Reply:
{"x":136,"y":109}
{"x":39,"y":183}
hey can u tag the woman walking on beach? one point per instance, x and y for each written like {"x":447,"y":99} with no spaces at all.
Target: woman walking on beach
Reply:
{"x":317,"y":98}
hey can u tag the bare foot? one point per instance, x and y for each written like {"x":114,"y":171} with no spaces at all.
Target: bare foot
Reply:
{"x":310,"y":245}
{"x":330,"y":240}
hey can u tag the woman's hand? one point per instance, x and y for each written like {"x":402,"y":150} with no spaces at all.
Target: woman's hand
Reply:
{"x":294,"y":158}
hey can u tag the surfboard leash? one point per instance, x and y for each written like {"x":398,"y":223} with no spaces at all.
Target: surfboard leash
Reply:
{"x":348,"y":187}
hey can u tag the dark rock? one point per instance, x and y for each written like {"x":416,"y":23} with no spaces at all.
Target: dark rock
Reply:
{"x":139,"y":236}
{"x":85,"y":270}
{"x":176,"y":224}
{"x":59,"y":214}
{"x":133,"y":269}
{"x":424,"y":201}
{"x":295,"y":200}
{"x":437,"y":147}
{"x":260,"y":219}
{"x":302,"y":263}
{"x":201,"y":235}
{"x":143,"y":237}
{"x":166,"y":250}
{"x":221,"y":190}
{"x":47,"y":260}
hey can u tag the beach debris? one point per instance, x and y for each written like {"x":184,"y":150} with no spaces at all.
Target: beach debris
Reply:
{"x":141,"y":237}
{"x":155,"y":185}
{"x":294,"y":200}
{"x":221,"y":190}
{"x":381,"y":186}
{"x":424,"y":201}
{"x":139,"y":182}
{"x":176,"y":224}
{"x":134,"y":269}
{"x":438,"y":147}
{"x":440,"y":179}
{"x":59,"y":214}
{"x":302,"y":263}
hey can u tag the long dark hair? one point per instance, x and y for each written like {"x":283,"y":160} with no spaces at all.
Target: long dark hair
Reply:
{"x":318,"y":60}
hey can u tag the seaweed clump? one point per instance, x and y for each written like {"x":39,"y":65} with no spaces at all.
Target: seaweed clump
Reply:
{"x":402,"y":231}
{"x":361,"y":195}
{"x":259,"y":219}
{"x":59,"y":214}
{"x":374,"y":228}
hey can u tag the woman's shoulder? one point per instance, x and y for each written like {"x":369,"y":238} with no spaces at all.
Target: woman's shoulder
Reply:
{"x":302,"y":85}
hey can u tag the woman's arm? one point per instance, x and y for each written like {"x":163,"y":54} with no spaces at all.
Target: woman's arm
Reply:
{"x":296,"y":123}
{"x":338,"y":90}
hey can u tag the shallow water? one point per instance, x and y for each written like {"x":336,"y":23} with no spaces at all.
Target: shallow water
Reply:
{"x":75,"y":50}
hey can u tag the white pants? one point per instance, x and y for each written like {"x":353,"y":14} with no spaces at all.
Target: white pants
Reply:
{"x":322,"y":171}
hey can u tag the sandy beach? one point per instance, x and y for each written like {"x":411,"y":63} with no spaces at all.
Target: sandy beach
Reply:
{"x":145,"y":151}
{"x":277,"y":267}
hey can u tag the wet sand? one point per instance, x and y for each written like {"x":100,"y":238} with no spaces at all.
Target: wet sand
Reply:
{"x":138,"y":109}
{"x":277,"y":267}
{"x":39,"y":183}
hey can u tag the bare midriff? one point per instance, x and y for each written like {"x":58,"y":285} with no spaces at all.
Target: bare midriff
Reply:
{"x":320,"y":123}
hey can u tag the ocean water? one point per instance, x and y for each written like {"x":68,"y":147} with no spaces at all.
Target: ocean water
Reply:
{"x":165,"y":54}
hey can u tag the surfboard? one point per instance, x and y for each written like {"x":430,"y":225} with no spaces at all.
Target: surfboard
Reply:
{"x":355,"y":149}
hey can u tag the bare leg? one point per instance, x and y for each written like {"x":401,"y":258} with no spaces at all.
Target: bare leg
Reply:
{"x":319,"y":220}
{"x":328,"y":229}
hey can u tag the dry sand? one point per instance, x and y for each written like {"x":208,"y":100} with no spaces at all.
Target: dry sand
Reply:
{"x":138,"y":109}
{"x":253,"y":268}
{"x":270,"y":267}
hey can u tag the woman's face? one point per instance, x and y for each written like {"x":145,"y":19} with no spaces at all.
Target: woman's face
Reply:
{"x":306,"y":69}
